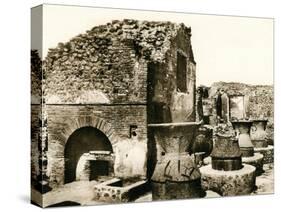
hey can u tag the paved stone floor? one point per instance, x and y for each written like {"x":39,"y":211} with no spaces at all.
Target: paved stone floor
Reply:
{"x":264,"y":183}
{"x":81,"y":192}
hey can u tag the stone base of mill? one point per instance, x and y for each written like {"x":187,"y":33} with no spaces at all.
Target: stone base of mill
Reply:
{"x":229,"y":183}
{"x":177,"y":190}
{"x":267,"y":152}
{"x":256,"y":161}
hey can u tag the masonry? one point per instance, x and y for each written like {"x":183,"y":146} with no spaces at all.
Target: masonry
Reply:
{"x":110,"y":83}
{"x":259,"y":101}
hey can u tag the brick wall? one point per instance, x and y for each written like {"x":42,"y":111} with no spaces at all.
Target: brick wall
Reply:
{"x":114,"y":121}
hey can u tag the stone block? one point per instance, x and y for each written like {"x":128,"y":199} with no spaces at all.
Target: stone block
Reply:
{"x":229,"y":183}
{"x":267,"y":152}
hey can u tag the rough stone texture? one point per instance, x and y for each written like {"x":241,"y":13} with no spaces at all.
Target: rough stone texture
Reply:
{"x":176,"y":175}
{"x":177,"y":190}
{"x":259,"y":101}
{"x":229,"y":183}
{"x":35,"y":133}
{"x":36,"y":77}
{"x":112,"y":120}
{"x":114,"y":77}
{"x":256,"y":161}
{"x":203,"y":140}
{"x":110,"y":62}
{"x":113,"y":191}
{"x":267,"y":152}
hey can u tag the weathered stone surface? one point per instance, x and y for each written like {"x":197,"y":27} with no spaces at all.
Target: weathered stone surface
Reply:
{"x":229,"y":183}
{"x":177,"y":190}
{"x":243,"y":128}
{"x":36,"y":77}
{"x":259,"y":101}
{"x":176,"y":174}
{"x":267,"y":152}
{"x":256,"y":161}
{"x":109,"y":62}
{"x":258,"y":133}
{"x":203,"y":140}
{"x":114,"y":191}
{"x":116,"y":77}
{"x":226,"y":153}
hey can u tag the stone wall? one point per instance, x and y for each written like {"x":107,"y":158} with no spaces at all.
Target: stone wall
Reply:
{"x":36,"y":77}
{"x":35,"y":130}
{"x":108,"y":64}
{"x":166,"y":102}
{"x":100,"y":79}
{"x":114,"y":121}
{"x":259,"y":101}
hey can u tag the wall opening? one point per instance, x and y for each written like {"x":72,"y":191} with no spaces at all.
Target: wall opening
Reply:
{"x":98,"y":168}
{"x":181,"y":73}
{"x":83,"y":140}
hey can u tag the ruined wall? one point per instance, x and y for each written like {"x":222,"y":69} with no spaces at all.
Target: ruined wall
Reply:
{"x":99,"y":78}
{"x":107,"y":64}
{"x":166,"y":102}
{"x":36,"y":77}
{"x":259,"y":101}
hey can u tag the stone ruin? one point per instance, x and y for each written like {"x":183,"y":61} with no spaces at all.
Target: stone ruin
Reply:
{"x":226,"y":175}
{"x":105,"y":86}
{"x":130,"y":86}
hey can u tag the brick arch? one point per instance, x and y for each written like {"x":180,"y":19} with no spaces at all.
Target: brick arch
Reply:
{"x":86,"y":121}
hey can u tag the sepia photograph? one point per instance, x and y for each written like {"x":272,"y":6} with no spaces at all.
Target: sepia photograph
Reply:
{"x":139,"y":106}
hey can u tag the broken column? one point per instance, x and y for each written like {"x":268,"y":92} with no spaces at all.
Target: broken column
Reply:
{"x":176,"y":175}
{"x":259,"y":139}
{"x":226,"y":175}
{"x":242,"y":128}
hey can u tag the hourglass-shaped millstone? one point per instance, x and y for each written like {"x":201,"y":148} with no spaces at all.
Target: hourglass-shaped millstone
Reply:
{"x":258,"y":133}
{"x":226,"y":153}
{"x":176,"y":175}
{"x":203,"y":141}
{"x":243,"y":128}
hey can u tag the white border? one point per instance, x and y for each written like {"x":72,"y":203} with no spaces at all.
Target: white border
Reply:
{"x":15,"y":44}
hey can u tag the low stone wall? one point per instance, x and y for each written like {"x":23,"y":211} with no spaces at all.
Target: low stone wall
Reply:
{"x":111,"y":191}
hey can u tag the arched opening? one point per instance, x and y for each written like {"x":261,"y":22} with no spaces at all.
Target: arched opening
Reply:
{"x":84,"y":140}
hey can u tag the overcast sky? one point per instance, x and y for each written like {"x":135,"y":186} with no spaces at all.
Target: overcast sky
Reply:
{"x":231,"y":49}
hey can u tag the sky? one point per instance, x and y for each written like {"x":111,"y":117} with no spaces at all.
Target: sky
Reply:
{"x":226,"y":48}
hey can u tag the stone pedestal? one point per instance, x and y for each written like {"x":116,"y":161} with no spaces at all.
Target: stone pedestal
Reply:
{"x":176,"y":175}
{"x":256,"y":161}
{"x":243,"y":128}
{"x":267,"y":152}
{"x":228,"y":183}
{"x":258,"y":136}
{"x":258,"y":133}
